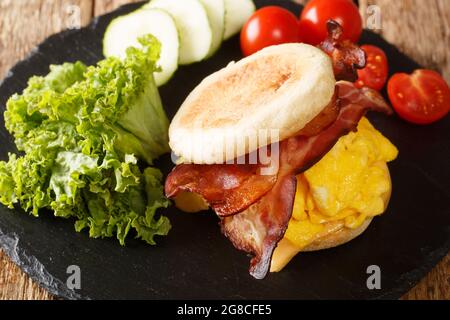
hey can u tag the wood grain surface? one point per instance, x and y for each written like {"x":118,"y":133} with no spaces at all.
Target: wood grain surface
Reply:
{"x":419,"y":28}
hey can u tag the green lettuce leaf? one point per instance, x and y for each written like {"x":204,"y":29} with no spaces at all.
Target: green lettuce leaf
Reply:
{"x":83,"y":131}
{"x":122,"y":96}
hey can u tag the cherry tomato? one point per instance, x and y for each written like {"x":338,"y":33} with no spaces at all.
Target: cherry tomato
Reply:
{"x":316,"y":14}
{"x":268,"y":26}
{"x":374,"y":74}
{"x":422,"y":97}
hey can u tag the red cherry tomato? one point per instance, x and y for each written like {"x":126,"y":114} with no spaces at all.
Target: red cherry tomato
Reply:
{"x":316,"y":14}
{"x":422,"y":97}
{"x":268,"y":26}
{"x":374,"y":74}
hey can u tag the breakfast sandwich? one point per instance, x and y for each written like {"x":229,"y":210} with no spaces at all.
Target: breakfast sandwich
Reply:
{"x":277,"y":144}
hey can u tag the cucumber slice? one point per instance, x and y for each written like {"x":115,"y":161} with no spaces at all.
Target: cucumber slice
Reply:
{"x":193,"y":25}
{"x":124,"y":31}
{"x":216,"y":15}
{"x":237,"y":13}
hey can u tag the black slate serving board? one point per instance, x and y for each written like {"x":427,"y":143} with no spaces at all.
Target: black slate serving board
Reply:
{"x":195,"y":260}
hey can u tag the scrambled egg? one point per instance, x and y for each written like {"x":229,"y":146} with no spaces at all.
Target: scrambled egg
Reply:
{"x":346,"y":185}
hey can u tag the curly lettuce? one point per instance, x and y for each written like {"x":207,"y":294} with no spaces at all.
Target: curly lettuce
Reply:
{"x":82,"y":131}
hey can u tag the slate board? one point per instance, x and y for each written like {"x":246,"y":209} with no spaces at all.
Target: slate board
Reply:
{"x":195,"y":260}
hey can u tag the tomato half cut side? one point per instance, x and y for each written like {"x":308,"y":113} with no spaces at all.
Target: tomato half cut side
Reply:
{"x":421,"y":98}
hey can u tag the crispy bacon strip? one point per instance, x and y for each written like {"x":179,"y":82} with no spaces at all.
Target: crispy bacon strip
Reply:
{"x":228,"y":188}
{"x":259,"y":228}
{"x":345,"y":55}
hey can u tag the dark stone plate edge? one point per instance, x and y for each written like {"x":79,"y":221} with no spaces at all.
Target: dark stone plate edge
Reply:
{"x":34,"y":268}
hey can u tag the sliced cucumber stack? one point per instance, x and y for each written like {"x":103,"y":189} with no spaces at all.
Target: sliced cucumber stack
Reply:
{"x":193,"y":25}
{"x":189,"y":30}
{"x":237,"y":13}
{"x":216,"y":15}
{"x":124,"y":31}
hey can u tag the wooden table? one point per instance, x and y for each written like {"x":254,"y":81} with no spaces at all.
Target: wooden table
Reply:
{"x":25,"y":23}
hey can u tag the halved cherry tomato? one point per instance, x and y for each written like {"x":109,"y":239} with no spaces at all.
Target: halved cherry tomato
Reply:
{"x":268,"y":26}
{"x":375,"y":73}
{"x":316,"y":14}
{"x":422,"y":97}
